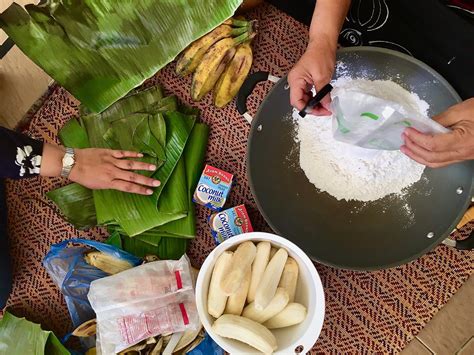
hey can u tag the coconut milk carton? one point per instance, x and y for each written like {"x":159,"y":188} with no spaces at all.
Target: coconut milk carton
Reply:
{"x":213,"y":188}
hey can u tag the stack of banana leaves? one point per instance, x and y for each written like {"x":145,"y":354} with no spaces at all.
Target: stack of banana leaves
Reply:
{"x":170,"y":137}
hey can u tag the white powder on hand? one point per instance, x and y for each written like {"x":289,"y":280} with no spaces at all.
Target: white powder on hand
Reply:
{"x":348,"y":172}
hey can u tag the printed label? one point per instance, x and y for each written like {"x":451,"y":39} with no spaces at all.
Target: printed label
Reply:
{"x":228,"y":223}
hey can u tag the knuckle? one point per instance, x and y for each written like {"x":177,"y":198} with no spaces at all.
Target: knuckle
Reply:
{"x":129,"y":164}
{"x":132,"y":177}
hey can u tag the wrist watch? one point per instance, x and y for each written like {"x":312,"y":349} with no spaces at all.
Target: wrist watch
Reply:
{"x":68,"y":162}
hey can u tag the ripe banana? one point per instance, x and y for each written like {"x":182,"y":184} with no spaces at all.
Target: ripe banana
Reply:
{"x":247,"y":331}
{"x":106,"y":262}
{"x":216,"y":299}
{"x":193,"y":55}
{"x":270,"y":279}
{"x":276,"y":305}
{"x":213,"y":64}
{"x":234,"y":75}
{"x":236,"y":302}
{"x":241,"y":262}
{"x":258,"y":268}
{"x":294,"y":313}
{"x":289,"y":277}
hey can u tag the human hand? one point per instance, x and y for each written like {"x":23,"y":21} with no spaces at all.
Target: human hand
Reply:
{"x":107,"y":169}
{"x":315,"y":67}
{"x":438,"y":150}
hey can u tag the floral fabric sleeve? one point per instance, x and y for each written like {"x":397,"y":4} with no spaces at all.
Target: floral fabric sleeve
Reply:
{"x":20,"y":155}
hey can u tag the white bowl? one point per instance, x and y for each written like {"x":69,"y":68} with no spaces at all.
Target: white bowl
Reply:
{"x":309,"y":293}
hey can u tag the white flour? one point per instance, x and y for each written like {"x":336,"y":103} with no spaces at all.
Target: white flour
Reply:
{"x":350,"y":172}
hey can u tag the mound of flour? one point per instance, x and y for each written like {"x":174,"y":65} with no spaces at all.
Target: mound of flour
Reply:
{"x":349,"y":172}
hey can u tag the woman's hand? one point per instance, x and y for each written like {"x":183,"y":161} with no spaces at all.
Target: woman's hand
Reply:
{"x":106,"y":169}
{"x":438,"y":150}
{"x":315,"y":68}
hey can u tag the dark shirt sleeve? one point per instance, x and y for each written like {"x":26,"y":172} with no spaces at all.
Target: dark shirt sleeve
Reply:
{"x":20,"y":155}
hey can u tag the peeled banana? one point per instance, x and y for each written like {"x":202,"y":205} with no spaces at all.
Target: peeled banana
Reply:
{"x":213,"y":64}
{"x":236,"y":302}
{"x":258,"y":268}
{"x":270,"y":279}
{"x":293,"y":313}
{"x":193,"y":55}
{"x":276,"y":305}
{"x":106,"y":262}
{"x":234,"y":75}
{"x":241,"y":262}
{"x":289,"y":277}
{"x":247,"y":331}
{"x":216,"y":298}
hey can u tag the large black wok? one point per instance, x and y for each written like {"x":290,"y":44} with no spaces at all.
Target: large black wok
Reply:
{"x":354,"y":235}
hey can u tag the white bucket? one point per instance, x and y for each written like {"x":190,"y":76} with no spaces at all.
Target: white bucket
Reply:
{"x":309,"y":293}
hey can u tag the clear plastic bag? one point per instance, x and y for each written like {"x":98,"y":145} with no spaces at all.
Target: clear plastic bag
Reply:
{"x":151,"y":299}
{"x":372,"y":122}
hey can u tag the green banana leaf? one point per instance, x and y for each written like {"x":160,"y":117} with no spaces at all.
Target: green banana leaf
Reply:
{"x":19,"y":336}
{"x":169,"y":248}
{"x":73,"y":135}
{"x":99,"y":50}
{"x":76,"y":203}
{"x":135,"y":213}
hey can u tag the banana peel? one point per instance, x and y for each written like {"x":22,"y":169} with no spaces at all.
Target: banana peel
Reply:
{"x":106,"y":262}
{"x":86,"y":329}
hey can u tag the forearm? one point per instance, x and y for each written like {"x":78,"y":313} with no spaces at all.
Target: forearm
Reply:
{"x":328,"y":18}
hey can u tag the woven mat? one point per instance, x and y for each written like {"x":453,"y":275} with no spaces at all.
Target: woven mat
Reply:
{"x":367,"y":312}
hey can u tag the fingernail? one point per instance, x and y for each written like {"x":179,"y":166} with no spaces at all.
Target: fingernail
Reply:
{"x":149,"y":192}
{"x":156,"y":183}
{"x":140,"y":155}
{"x":152,"y":167}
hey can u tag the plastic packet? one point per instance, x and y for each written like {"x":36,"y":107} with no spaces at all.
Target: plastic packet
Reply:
{"x":374,"y":123}
{"x":142,"y":302}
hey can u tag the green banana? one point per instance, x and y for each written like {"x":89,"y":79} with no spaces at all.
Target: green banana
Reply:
{"x":193,"y":55}
{"x":234,"y":75}
{"x":213,"y":64}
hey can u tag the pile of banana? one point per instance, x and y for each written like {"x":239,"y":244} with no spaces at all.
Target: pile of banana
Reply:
{"x":220,"y":60}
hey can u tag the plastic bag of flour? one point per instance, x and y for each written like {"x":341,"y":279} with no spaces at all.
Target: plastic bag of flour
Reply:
{"x":372,"y":122}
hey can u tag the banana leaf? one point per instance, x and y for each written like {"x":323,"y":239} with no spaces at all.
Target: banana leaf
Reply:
{"x":169,"y":248}
{"x":76,"y":203}
{"x":73,"y":135}
{"x":193,"y":160}
{"x":99,"y":50}
{"x":135,"y":213}
{"x":19,"y":336}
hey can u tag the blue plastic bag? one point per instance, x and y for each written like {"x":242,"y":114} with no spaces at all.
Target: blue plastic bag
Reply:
{"x":66,"y":266}
{"x":207,"y":347}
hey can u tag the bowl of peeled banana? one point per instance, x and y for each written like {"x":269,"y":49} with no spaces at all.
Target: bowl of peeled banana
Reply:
{"x":260,"y":293}
{"x":219,"y":61}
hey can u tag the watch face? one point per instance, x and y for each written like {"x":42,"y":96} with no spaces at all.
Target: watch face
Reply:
{"x":68,"y":160}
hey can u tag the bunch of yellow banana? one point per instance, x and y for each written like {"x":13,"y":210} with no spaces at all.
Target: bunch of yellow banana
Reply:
{"x":221,"y":60}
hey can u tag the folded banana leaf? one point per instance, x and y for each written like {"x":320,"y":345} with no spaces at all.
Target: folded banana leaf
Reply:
{"x":19,"y":336}
{"x":73,"y":135}
{"x":168,"y":248}
{"x":135,"y":213}
{"x":76,"y":203}
{"x":100,"y":50}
